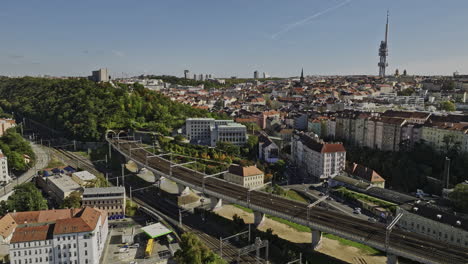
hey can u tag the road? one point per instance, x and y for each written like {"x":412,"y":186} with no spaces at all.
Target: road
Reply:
{"x":42,"y":159}
{"x":411,"y":245}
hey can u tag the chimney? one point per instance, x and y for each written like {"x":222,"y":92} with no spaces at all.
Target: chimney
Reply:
{"x":446,"y":176}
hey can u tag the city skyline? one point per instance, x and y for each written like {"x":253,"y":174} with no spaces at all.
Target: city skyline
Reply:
{"x":325,"y":37}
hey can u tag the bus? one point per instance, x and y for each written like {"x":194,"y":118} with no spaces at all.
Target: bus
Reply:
{"x":149,"y":248}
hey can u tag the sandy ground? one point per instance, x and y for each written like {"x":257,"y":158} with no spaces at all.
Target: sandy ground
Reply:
{"x":329,"y":246}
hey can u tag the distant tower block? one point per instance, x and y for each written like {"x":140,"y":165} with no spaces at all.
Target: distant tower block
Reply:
{"x":256,"y":74}
{"x":383,"y":52}
{"x":302,"y":76}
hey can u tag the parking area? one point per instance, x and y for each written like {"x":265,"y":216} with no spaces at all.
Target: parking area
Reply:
{"x":127,"y":244}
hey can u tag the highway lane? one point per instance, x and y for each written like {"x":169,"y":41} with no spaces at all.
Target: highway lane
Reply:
{"x":405,"y":241}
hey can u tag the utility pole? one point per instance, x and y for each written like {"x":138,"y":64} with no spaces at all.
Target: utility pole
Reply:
{"x":123,"y":176}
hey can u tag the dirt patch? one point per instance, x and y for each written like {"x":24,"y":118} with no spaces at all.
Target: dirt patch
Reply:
{"x":328,"y":246}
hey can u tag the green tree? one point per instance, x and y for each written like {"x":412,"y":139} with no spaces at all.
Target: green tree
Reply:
{"x":26,"y":197}
{"x":448,"y":85}
{"x":193,"y":251}
{"x":447,"y":106}
{"x":459,"y":197}
{"x":72,"y":201}
{"x":407,"y":92}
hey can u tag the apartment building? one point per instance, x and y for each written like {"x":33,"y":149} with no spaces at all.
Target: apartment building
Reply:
{"x":250,"y":177}
{"x":110,"y":199}
{"x":208,"y":131}
{"x":315,"y":158}
{"x":101,"y":75}
{"x":268,"y":151}
{"x":71,"y":236}
{"x":4,"y":175}
{"x":443,"y":135}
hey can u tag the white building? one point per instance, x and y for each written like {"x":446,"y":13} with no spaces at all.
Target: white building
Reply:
{"x":4,"y":175}
{"x":71,"y":236}
{"x":208,"y":131}
{"x":110,"y":199}
{"x":101,"y":75}
{"x":249,"y":177}
{"x":315,"y":158}
{"x":84,"y":178}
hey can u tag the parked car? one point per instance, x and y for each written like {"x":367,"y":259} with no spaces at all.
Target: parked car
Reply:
{"x":357,"y":210}
{"x":136,"y":245}
{"x":372,"y":220}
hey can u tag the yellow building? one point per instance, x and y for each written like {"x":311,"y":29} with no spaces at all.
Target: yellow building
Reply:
{"x":249,"y":177}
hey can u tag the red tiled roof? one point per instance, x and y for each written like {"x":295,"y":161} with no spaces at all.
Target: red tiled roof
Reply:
{"x":366,"y":173}
{"x":31,"y":233}
{"x":333,"y":147}
{"x":244,"y":171}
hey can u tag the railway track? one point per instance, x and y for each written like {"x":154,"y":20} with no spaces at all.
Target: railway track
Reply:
{"x":412,"y":243}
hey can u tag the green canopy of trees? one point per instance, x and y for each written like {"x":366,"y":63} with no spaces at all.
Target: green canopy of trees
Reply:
{"x":72,"y":201}
{"x":447,"y":106}
{"x":408,"y":169}
{"x":193,"y":251}
{"x":459,"y":197}
{"x":14,"y":146}
{"x":26,"y":197}
{"x":406,"y":92}
{"x":83,"y":109}
{"x":206,"y":84}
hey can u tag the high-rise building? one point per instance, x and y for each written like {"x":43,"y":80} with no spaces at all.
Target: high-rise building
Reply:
{"x":201,"y":77}
{"x":256,"y":74}
{"x":186,"y":74}
{"x":195,"y":77}
{"x":265,"y":75}
{"x":383,"y":52}
{"x":101,"y":75}
{"x":302,"y":76}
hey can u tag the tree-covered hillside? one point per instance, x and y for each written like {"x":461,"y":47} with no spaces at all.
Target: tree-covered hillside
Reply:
{"x":84,"y":109}
{"x":207,"y":84}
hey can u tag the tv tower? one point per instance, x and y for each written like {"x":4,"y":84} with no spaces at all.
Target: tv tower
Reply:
{"x":383,"y":52}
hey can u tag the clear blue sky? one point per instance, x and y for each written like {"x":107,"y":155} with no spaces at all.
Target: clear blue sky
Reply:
{"x":234,"y":37}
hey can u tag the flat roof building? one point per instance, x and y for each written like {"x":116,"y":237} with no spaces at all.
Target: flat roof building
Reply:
{"x":208,"y":131}
{"x":83,"y":178}
{"x":110,"y":199}
{"x":61,"y":186}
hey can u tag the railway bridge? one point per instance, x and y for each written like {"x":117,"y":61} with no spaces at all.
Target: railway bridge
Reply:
{"x":398,"y":243}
